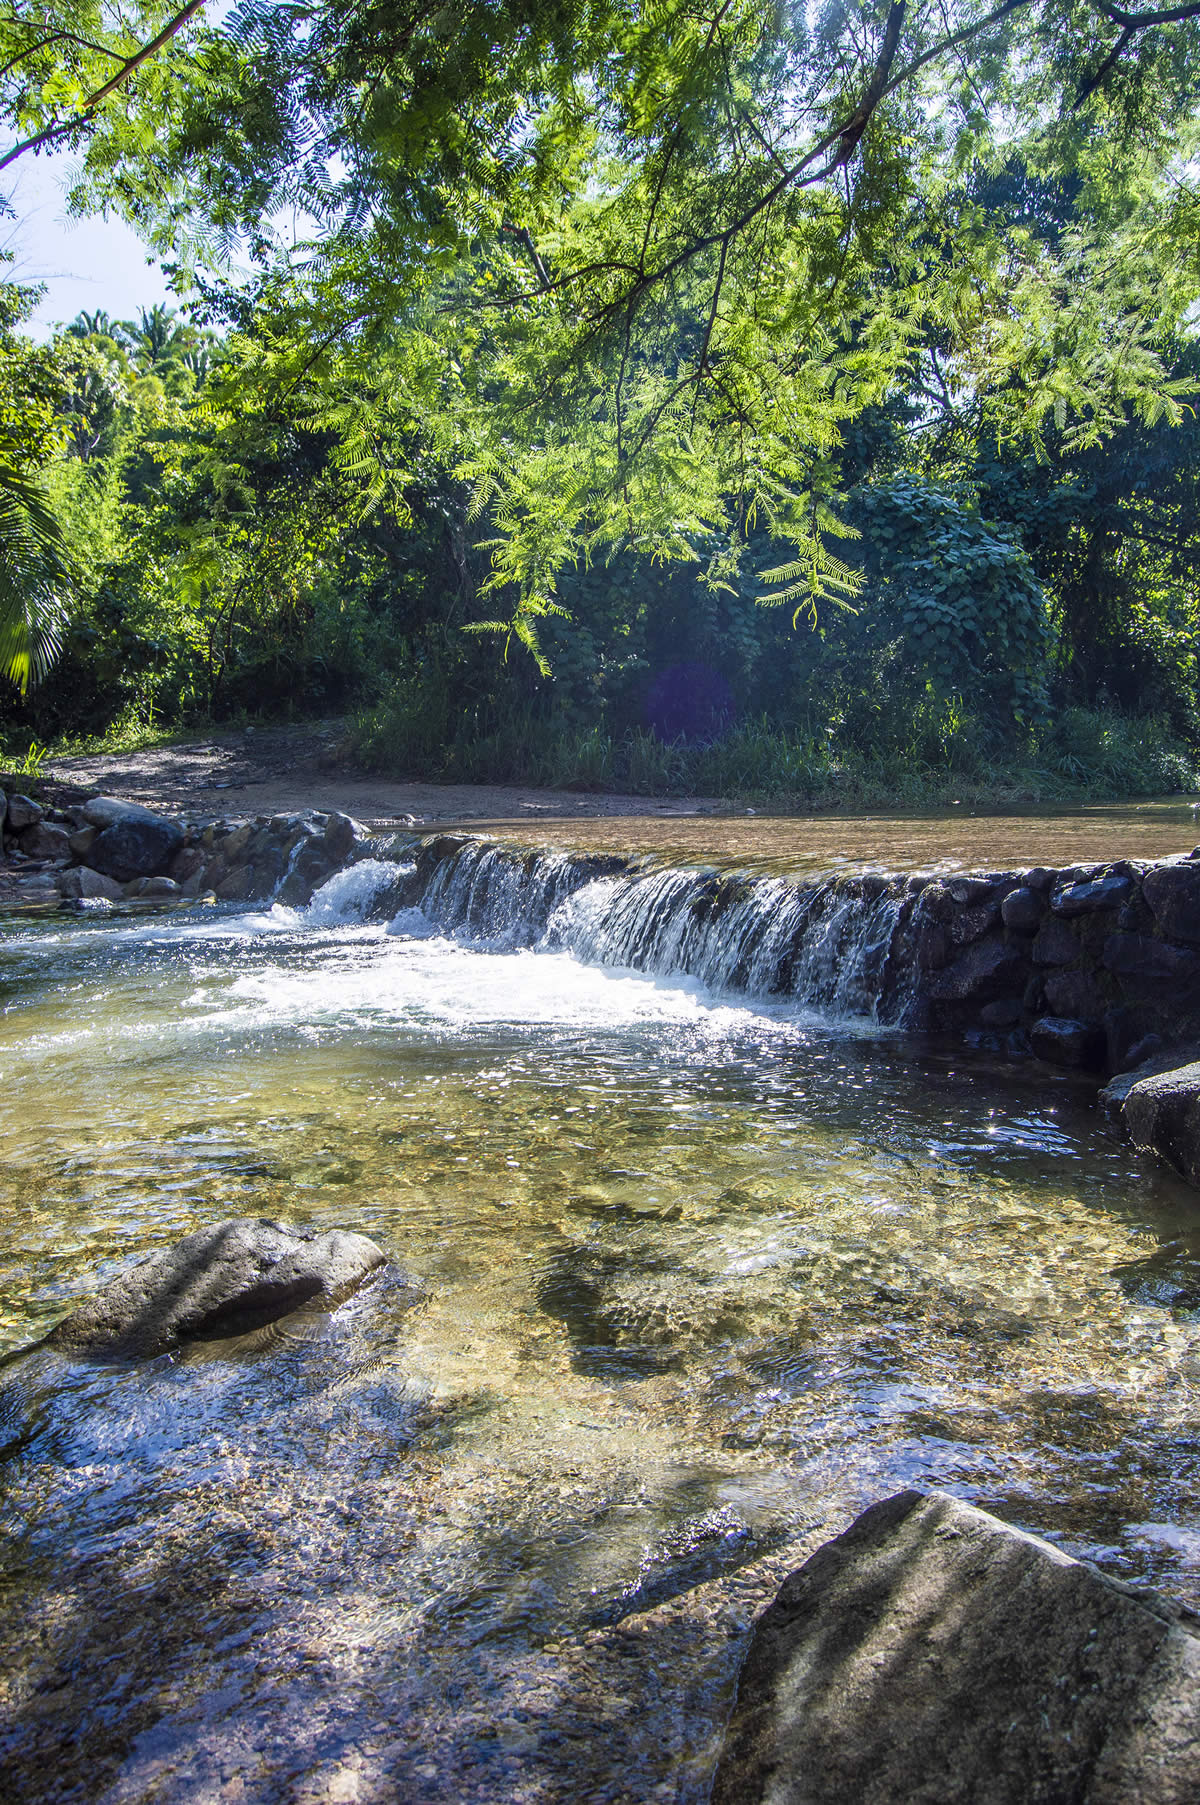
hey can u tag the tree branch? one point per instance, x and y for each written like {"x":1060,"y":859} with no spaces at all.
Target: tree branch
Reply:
{"x":1170,"y":15}
{"x":51,"y":133}
{"x":857,"y":124}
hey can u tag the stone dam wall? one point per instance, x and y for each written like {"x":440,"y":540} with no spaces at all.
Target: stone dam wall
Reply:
{"x":1095,"y":967}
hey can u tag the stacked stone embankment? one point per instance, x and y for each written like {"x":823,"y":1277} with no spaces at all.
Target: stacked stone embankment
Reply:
{"x":1091,"y":966}
{"x":106,"y":850}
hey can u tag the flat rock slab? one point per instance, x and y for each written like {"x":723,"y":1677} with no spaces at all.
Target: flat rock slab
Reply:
{"x":221,"y":1281}
{"x":933,"y":1655}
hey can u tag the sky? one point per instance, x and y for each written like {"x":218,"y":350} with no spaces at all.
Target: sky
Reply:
{"x":85,"y":264}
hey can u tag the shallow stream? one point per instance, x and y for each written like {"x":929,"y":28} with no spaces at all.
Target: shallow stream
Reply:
{"x":701,"y":1275}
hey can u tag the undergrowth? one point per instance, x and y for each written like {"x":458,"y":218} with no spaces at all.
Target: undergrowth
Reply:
{"x":1082,"y":755}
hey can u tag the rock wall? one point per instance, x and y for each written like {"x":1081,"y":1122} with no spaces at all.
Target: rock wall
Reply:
{"x":1094,"y":966}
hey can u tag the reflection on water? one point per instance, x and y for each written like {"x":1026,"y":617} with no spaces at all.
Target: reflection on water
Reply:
{"x":702,"y":1279}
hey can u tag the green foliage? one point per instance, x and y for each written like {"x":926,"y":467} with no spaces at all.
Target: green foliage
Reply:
{"x":963,"y":594}
{"x":36,"y":576}
{"x":597,"y":328}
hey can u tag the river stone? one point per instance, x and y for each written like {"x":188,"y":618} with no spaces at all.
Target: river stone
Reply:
{"x":224,"y":1280}
{"x":971,"y":923}
{"x":987,"y":970}
{"x":1139,"y":956}
{"x":1074,"y":993}
{"x":141,"y":846}
{"x":23,"y":811}
{"x":187,"y":863}
{"x":82,"y":841}
{"x":1055,"y":943}
{"x":106,"y":811}
{"x":82,"y":883}
{"x":341,"y":833}
{"x":3,"y":807}
{"x":935,"y":1656}
{"x":1173,"y":892}
{"x":1161,"y":1114}
{"x":1022,"y":910}
{"x":44,"y":840}
{"x":1104,"y":892}
{"x":149,"y":888}
{"x":1060,"y":1040}
{"x":236,"y":885}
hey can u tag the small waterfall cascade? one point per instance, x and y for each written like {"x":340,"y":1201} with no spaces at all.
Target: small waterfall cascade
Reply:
{"x":366,"y":890}
{"x":829,"y":942}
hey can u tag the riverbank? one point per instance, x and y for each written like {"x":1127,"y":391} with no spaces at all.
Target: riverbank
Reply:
{"x":289,"y":769}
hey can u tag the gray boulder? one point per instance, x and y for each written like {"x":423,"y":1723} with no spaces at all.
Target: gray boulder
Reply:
{"x":23,"y":811}
{"x":220,"y":1281}
{"x":136,"y":847}
{"x":81,"y":883}
{"x":44,"y":840}
{"x":933,"y":1655}
{"x":342,"y":832}
{"x":1161,"y":1114}
{"x":106,"y":811}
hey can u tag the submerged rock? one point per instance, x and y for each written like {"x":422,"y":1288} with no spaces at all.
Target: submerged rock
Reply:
{"x":933,"y":1654}
{"x":1064,"y":1040}
{"x":224,"y":1280}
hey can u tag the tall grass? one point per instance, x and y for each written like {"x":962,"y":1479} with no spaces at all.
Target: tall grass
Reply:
{"x":943,"y":757}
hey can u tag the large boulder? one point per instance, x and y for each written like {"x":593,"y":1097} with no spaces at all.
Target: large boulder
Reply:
{"x":933,"y":1655}
{"x":1088,"y":895}
{"x":45,"y":840}
{"x":1161,"y":1114}
{"x":23,"y":812}
{"x":106,"y":811}
{"x":987,"y":970}
{"x":136,"y":846}
{"x":224,"y":1280}
{"x":1173,"y":892}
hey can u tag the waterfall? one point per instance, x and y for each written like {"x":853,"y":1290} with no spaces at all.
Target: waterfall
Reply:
{"x":828,"y":941}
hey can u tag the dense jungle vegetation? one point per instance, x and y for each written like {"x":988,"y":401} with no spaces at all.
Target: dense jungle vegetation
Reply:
{"x":725,"y":394}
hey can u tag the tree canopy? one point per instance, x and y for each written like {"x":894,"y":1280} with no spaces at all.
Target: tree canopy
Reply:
{"x":624,"y":283}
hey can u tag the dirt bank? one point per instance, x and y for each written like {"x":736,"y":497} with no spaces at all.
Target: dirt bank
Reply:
{"x":279,"y":770}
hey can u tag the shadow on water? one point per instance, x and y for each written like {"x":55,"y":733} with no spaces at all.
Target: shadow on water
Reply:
{"x":260,"y":1562}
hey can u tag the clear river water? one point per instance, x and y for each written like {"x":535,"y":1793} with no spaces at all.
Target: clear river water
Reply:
{"x":701,"y":1273}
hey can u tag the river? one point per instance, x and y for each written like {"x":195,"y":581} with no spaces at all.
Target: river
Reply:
{"x":702,"y":1272}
